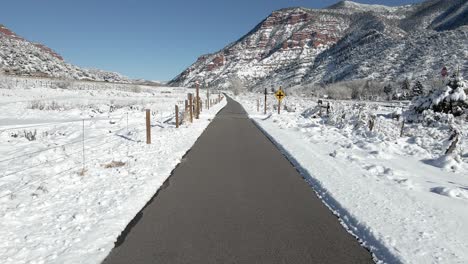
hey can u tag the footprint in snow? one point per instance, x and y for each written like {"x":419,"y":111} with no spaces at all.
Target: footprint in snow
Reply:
{"x":378,"y":170}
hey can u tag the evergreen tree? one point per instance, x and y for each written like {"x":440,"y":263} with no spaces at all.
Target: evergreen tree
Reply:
{"x":388,"y":91}
{"x":405,"y":85}
{"x":450,"y":98}
{"x":455,"y":82}
{"x":405,"y":88}
{"x":418,"y":89}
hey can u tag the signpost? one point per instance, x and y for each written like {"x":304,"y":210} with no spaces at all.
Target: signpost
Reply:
{"x":265,"y":100}
{"x":280,"y":96}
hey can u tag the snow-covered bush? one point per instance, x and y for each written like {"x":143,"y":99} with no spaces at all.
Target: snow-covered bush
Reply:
{"x":136,"y":89}
{"x":236,"y":85}
{"x":63,"y":84}
{"x":30,"y":136}
{"x":450,"y":99}
{"x":45,"y":105}
{"x":6,"y":83}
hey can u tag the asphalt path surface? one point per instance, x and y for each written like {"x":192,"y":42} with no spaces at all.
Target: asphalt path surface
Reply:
{"x":236,"y":199}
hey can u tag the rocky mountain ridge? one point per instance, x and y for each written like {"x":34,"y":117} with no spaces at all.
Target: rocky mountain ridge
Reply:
{"x":345,"y":41}
{"x":19,"y":56}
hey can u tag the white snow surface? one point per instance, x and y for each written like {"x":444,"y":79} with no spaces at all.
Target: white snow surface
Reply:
{"x":49,"y":212}
{"x":400,"y":196}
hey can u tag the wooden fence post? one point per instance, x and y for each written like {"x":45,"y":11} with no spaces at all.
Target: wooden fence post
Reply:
{"x":371,"y":123}
{"x":402,"y":128}
{"x":453,"y":145}
{"x":191,"y":107}
{"x":177,"y":116}
{"x":197,"y":102}
{"x":208,"y":98}
{"x":148,"y":127}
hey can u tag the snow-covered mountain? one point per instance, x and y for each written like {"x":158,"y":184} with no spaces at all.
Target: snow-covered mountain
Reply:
{"x":19,"y":56}
{"x":345,"y":41}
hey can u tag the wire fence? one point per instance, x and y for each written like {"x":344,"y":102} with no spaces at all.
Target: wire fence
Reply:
{"x":88,"y":147}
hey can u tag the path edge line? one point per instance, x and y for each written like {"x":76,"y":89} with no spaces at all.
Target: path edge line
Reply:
{"x":128,"y":228}
{"x":380,"y":253}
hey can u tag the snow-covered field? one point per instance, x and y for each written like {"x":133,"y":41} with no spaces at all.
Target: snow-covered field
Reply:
{"x":50,"y":210}
{"x":400,"y":195}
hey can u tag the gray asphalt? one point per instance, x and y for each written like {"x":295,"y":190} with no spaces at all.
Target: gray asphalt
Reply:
{"x":236,"y":199}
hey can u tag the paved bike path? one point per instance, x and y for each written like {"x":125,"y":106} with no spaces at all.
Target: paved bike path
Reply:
{"x":236,"y":199}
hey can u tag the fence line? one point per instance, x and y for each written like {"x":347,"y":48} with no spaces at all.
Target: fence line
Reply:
{"x":162,"y":121}
{"x":63,"y":145}
{"x":60,"y":122}
{"x":61,"y":157}
{"x":28,"y":184}
{"x":66,"y":154}
{"x":46,"y":177}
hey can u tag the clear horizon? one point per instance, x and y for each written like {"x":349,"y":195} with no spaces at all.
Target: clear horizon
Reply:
{"x":144,"y":40}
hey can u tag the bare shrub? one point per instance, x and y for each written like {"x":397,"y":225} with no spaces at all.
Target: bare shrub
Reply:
{"x":82,"y":172}
{"x":236,"y":85}
{"x":136,"y":89}
{"x":355,"y":89}
{"x":29,"y":135}
{"x":63,"y":84}
{"x":114,"y":164}
{"x":36,"y":105}
{"x":43,"y":105}
{"x":6,"y":83}
{"x":337,"y":91}
{"x":54,"y":106}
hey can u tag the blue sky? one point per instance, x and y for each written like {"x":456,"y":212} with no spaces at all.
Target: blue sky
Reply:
{"x":148,"y":39}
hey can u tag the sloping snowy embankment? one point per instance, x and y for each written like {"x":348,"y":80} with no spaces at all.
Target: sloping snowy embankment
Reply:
{"x":384,"y":188}
{"x":49,"y":212}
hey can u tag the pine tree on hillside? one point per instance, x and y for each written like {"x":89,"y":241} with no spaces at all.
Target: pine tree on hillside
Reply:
{"x":455,"y":82}
{"x":405,"y":85}
{"x":450,"y":99}
{"x":405,"y":88}
{"x":388,"y":90}
{"x":418,"y":89}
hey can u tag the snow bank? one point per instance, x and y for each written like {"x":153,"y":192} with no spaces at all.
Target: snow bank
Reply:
{"x":51,"y":211}
{"x":377,"y":182}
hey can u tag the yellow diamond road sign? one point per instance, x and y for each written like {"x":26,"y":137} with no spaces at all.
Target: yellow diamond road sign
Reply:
{"x":280,"y":94}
